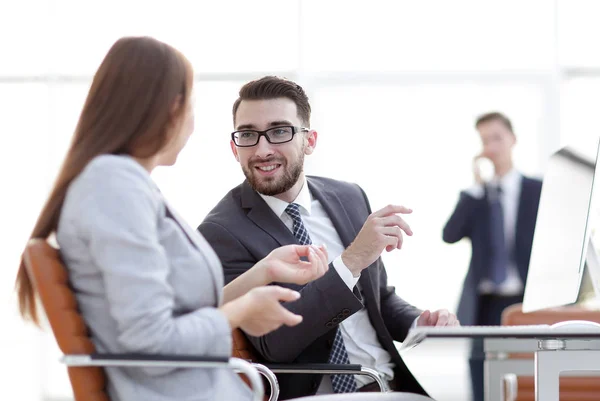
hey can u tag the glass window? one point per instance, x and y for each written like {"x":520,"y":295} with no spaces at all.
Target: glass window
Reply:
{"x":413,"y":145}
{"x":578,"y":33}
{"x":580,"y":126}
{"x":218,"y":37}
{"x":24,"y":40}
{"x":206,"y":169}
{"x":463,"y":35}
{"x":24,"y":122}
{"x":65,"y":108}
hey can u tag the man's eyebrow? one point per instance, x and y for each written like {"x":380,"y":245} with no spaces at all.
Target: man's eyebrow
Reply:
{"x":244,"y":126}
{"x":271,"y":124}
{"x":279,"y":123}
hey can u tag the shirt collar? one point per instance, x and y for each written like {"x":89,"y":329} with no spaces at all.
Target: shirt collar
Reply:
{"x":278,"y":206}
{"x":510,"y":182}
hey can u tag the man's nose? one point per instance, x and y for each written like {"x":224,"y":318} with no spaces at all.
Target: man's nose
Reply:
{"x":490,"y":148}
{"x":263,"y":148}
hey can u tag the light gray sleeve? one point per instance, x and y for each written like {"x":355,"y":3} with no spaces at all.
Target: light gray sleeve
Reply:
{"x":123,"y":238}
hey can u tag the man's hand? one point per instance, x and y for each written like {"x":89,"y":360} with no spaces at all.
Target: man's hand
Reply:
{"x":477,"y":169}
{"x":438,"y":318}
{"x":382,"y":230}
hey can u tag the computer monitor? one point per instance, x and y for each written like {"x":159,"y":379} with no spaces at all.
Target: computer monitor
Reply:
{"x":561,"y":242}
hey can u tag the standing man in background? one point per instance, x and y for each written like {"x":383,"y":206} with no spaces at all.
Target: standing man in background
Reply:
{"x":499,"y":218}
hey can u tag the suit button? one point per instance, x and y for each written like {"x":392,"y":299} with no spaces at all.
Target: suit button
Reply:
{"x":346,"y":311}
{"x":335,"y":320}
{"x":330,"y":343}
{"x":340,"y":316}
{"x":329,"y":324}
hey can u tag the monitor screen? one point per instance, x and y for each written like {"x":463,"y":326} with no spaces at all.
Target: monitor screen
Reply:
{"x":562,"y":229}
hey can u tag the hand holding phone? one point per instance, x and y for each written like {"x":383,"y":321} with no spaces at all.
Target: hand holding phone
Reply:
{"x":483,"y":169}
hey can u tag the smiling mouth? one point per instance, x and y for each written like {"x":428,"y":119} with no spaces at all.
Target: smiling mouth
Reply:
{"x":268,"y":168}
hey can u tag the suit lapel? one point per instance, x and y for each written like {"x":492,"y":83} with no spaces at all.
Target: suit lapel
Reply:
{"x":343,"y":225}
{"x":335,"y":210}
{"x":262,"y":215}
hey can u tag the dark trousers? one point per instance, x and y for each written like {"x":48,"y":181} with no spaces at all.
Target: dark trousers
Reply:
{"x":490,"y":313}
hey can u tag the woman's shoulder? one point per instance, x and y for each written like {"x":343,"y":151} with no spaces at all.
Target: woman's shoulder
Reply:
{"x":112,"y":178}
{"x":119,"y":167}
{"x":107,"y":172}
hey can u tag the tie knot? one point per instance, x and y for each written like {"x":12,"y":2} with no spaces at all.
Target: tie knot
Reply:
{"x":495,"y":190}
{"x":293,"y":209}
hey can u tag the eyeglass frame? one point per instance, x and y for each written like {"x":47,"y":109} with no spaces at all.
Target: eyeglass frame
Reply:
{"x":295,"y":130}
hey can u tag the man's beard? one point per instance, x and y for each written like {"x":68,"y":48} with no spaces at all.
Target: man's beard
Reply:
{"x":272,"y":186}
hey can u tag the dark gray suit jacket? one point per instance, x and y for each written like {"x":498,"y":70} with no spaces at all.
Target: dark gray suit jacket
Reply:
{"x":242,"y":229}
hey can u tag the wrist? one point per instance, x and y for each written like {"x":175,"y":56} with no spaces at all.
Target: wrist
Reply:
{"x":234,"y":311}
{"x":351,"y":262}
{"x":263,"y":274}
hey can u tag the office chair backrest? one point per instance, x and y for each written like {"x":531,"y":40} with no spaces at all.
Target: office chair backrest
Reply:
{"x":242,"y":348}
{"x":49,"y":276}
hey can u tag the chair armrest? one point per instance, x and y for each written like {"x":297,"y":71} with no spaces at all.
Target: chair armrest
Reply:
{"x":176,"y":361}
{"x":311,"y":367}
{"x":329,"y":369}
{"x":140,"y":360}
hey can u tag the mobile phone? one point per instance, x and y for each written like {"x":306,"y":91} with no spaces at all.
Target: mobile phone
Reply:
{"x":486,"y":168}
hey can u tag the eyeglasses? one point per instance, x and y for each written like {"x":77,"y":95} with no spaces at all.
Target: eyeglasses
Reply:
{"x":276,"y":135}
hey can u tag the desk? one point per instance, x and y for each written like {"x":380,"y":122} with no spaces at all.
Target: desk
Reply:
{"x":555,"y":350}
{"x":496,"y":365}
{"x":576,"y":387}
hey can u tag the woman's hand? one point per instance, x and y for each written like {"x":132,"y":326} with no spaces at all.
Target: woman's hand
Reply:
{"x":283,"y":265}
{"x":259,"y":311}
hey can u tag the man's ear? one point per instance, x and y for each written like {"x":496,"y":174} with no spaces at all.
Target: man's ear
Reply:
{"x":311,"y":142}
{"x":234,"y":150}
{"x":513,"y":139}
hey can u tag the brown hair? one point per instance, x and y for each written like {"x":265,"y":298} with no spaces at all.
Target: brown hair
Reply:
{"x":271,"y":87}
{"x":494,"y":116}
{"x":129,"y":110}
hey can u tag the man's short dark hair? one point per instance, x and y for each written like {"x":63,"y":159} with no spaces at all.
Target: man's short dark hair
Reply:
{"x":271,"y":87}
{"x":494,"y":116}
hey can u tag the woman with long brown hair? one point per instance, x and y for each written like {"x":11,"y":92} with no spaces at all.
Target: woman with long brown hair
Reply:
{"x":145,"y":281}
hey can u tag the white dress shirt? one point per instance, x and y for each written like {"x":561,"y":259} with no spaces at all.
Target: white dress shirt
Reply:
{"x":358,"y":333}
{"x":509,"y":199}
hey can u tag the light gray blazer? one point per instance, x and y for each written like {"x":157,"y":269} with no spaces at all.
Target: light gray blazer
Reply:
{"x":145,"y":283}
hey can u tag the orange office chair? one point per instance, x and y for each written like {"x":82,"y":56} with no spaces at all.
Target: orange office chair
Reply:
{"x":49,"y":276}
